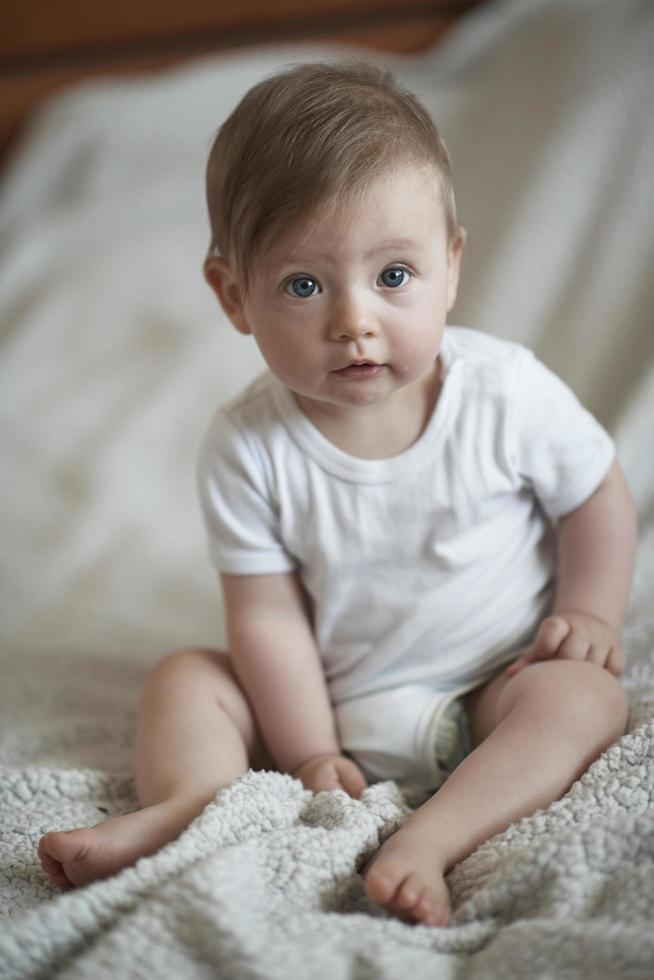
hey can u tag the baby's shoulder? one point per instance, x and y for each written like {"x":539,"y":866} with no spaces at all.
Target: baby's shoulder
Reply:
{"x":489,"y":364}
{"x":481,"y":348}
{"x":245,"y":429}
{"x":246,"y":412}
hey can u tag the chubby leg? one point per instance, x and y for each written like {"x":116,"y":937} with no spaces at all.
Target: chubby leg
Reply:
{"x":196,"y":733}
{"x":535,"y":733}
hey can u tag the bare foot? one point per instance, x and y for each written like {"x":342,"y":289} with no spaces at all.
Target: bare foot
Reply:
{"x":77,"y":857}
{"x":406,"y":876}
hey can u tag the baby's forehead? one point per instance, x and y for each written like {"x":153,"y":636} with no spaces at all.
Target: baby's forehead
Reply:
{"x":342,"y":212}
{"x":301,"y":239}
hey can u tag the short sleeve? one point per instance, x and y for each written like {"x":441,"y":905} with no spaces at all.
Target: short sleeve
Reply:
{"x":559,"y":449}
{"x":240,"y":517}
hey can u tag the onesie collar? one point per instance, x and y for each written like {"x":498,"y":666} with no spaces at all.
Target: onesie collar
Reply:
{"x":356,"y":470}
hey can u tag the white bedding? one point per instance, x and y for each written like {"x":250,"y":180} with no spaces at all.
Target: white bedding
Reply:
{"x":113,"y":354}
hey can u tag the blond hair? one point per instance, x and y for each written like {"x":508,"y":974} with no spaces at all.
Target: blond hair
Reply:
{"x":313,"y":133}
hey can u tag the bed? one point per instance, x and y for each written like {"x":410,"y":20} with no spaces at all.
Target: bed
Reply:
{"x":113,"y":355}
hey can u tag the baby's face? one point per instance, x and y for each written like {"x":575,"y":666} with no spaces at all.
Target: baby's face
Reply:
{"x":352,"y":308}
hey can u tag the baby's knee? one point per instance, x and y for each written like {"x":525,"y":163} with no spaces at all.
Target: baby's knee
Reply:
{"x":588,"y":694}
{"x":601,"y":697}
{"x":174,"y":668}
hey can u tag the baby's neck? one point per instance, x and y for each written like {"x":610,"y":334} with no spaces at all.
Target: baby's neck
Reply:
{"x":383,"y":430}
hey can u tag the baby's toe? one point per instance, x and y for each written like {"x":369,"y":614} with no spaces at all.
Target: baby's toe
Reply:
{"x":51,"y":865}
{"x":409,"y":893}
{"x":433,"y":910}
{"x":381,"y":881}
{"x":67,"y":846}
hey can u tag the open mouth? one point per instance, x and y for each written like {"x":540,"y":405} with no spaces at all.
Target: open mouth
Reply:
{"x":360,"y":370}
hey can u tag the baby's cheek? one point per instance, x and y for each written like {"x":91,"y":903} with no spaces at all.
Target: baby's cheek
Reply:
{"x":284,"y":360}
{"x":414,"y":361}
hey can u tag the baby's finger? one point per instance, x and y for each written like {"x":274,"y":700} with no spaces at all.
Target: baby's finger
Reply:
{"x":551,"y":634}
{"x":598,"y":654}
{"x":616,"y":660}
{"x":546,"y":643}
{"x":326,"y":778}
{"x":352,"y":779}
{"x":575,"y":647}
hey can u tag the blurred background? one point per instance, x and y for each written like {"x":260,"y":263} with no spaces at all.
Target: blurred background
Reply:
{"x":45,"y":46}
{"x":113,"y":352}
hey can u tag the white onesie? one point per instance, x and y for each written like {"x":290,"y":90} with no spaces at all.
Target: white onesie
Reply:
{"x":427,"y":570}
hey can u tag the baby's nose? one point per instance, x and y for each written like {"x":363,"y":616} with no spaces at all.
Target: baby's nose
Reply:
{"x":352,"y":320}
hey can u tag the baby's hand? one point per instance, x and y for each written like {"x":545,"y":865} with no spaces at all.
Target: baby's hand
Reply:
{"x":574,"y":636}
{"x":331,"y":771}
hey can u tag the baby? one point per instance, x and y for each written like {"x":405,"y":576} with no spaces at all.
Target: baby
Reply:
{"x":425,"y":542}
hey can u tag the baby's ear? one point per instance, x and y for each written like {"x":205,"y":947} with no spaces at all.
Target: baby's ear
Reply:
{"x":224,"y":283}
{"x":455,"y":253}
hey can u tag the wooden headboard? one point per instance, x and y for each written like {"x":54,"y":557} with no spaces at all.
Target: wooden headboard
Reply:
{"x":47,"y":44}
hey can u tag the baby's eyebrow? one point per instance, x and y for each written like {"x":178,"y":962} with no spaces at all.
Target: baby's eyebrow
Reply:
{"x":396,"y":243}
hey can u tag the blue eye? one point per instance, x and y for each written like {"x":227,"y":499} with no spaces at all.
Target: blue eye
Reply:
{"x":394,"y":276}
{"x":301,"y":286}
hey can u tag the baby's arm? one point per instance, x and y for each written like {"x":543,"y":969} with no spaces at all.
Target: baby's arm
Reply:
{"x":596,"y":545}
{"x":275,"y":657}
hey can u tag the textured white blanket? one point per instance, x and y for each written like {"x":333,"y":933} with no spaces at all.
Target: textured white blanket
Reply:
{"x":112,"y":357}
{"x":264,"y":884}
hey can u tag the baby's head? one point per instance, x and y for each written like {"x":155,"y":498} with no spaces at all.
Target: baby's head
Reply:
{"x":313,"y":134}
